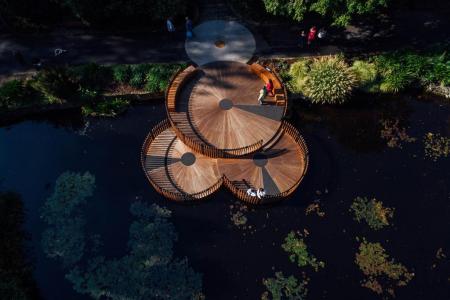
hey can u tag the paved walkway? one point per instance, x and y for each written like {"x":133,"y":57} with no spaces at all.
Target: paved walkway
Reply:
{"x":220,"y":40}
{"x":407,"y":29}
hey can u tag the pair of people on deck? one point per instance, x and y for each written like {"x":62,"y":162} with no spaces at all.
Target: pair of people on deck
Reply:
{"x":260,"y":193}
{"x":266,"y":90}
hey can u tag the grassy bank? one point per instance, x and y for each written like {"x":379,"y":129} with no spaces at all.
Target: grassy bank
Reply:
{"x":334,"y":79}
{"x":86,"y":86}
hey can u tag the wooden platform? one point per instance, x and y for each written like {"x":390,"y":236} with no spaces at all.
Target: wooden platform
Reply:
{"x":218,"y":134}
{"x":221,"y":103}
{"x":178,"y":171}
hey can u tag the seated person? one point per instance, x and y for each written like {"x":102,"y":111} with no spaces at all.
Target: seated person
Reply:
{"x":252,"y":192}
{"x":262,"y":94}
{"x":269,"y":87}
{"x":261,"y":193}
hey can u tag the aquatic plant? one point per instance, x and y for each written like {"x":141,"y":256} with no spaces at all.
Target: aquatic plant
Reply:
{"x":282,"y":287}
{"x":16,"y":271}
{"x":382,"y":273}
{"x":329,"y":80}
{"x":148,"y":271}
{"x":106,"y":108}
{"x":372,"y":212}
{"x":394,"y":134}
{"x":314,"y":207}
{"x":298,"y":250}
{"x":436,"y":146}
{"x":62,"y":212}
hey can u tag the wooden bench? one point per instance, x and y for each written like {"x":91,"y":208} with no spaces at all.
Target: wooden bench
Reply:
{"x":279,"y":97}
{"x":175,"y":84}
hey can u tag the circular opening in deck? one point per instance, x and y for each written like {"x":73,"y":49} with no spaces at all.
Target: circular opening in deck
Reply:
{"x":188,"y":159}
{"x":260,"y":159}
{"x":219,"y":44}
{"x":226,"y":104}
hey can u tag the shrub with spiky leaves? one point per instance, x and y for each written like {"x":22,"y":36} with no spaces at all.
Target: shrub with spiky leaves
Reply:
{"x":367,"y":75}
{"x":298,"y":74}
{"x":329,"y":80}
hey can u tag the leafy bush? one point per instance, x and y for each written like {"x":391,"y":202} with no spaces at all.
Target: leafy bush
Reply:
{"x":92,"y":76}
{"x":121,"y":73}
{"x":106,"y":108}
{"x":329,"y":80}
{"x":371,"y":211}
{"x":56,"y":84}
{"x":299,"y":252}
{"x":138,"y":75}
{"x":282,"y":287}
{"x":158,"y":77}
{"x":11,"y":92}
{"x":298,"y":73}
{"x":366,"y":74}
{"x":380,"y":270}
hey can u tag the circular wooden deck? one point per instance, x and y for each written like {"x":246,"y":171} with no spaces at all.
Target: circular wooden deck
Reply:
{"x":179,"y":173}
{"x":175,"y":170}
{"x":224,"y":109}
{"x":278,"y":170}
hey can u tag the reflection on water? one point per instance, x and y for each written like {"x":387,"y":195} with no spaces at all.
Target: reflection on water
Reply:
{"x":349,"y":158}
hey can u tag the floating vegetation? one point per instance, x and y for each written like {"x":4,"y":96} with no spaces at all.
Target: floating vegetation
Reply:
{"x":296,"y":247}
{"x":282,"y":287}
{"x":16,"y":270}
{"x":63,"y":212}
{"x":436,"y":146}
{"x":394,"y":134}
{"x":147,"y":271}
{"x":383,"y":274}
{"x":314,"y":208}
{"x":372,"y":212}
{"x":237,"y":215}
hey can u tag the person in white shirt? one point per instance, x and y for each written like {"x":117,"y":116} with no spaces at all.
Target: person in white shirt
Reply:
{"x":170,"y":26}
{"x":261,"y":193}
{"x":251,"y":192}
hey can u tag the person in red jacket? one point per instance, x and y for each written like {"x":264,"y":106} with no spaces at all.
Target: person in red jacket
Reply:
{"x":269,"y":87}
{"x":312,"y":35}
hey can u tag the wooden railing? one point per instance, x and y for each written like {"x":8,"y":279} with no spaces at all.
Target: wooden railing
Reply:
{"x":303,"y":156}
{"x":179,"y":196}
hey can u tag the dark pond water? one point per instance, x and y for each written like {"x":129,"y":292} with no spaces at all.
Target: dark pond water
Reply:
{"x":348,"y":159}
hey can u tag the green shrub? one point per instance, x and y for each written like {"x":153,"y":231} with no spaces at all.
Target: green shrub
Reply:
{"x":158,"y":77}
{"x":121,"y":73}
{"x":396,"y":74}
{"x":56,"y":84}
{"x":106,"y":108}
{"x":298,"y":73}
{"x":138,"y":74}
{"x":11,"y":93}
{"x":329,"y":80}
{"x":366,"y":74}
{"x":92,"y":76}
{"x":438,"y":71}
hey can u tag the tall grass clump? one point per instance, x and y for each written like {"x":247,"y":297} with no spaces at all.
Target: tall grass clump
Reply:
{"x":367,"y":75}
{"x":329,"y":81}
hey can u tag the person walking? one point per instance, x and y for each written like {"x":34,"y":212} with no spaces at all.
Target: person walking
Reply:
{"x":312,"y":35}
{"x":189,"y":33}
{"x":302,"y":40}
{"x":269,"y":87}
{"x":321,"y":36}
{"x":169,"y":25}
{"x":262,"y":94}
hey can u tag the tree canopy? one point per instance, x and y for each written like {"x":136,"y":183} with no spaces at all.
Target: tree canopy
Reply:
{"x":341,"y":12}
